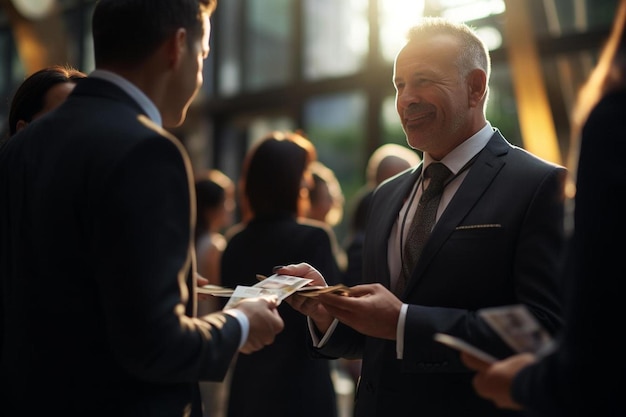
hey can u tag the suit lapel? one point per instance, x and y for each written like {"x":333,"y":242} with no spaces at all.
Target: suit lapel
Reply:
{"x":479,"y":177}
{"x":391,"y":198}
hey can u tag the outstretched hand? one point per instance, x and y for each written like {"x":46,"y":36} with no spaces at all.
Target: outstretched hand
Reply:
{"x":370,"y":309}
{"x":308,"y":306}
{"x":494,"y":381}
{"x":265,"y":322}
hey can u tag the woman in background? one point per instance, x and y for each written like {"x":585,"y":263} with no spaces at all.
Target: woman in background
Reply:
{"x":215,"y":204}
{"x":39,"y":93}
{"x":281,"y":380}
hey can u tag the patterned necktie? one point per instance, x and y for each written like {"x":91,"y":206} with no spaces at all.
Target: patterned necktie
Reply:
{"x":423,"y":221}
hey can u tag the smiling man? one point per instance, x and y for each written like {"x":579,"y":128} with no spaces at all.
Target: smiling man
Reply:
{"x":497,"y":240}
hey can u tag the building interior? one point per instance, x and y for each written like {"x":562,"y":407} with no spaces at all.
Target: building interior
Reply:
{"x":324,"y":67}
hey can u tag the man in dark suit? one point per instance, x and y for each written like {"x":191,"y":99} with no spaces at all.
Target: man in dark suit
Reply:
{"x":498,"y":240}
{"x":97,"y":268}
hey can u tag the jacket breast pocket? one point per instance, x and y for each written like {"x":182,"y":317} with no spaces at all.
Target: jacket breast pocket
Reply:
{"x":485,"y":227}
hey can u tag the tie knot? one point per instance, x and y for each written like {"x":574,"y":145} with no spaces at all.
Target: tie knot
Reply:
{"x":437,"y":172}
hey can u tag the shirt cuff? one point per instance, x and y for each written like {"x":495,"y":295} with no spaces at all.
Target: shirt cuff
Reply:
{"x":243,"y":322}
{"x":317,"y":342}
{"x":400,"y":331}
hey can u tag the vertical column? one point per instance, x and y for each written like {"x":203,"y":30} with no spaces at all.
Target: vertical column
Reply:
{"x":535,"y":115}
{"x":40,"y":37}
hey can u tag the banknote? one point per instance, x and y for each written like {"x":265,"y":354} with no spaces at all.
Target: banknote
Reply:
{"x":516,"y":325}
{"x":282,"y":285}
{"x":279,"y":286}
{"x":315,"y":290}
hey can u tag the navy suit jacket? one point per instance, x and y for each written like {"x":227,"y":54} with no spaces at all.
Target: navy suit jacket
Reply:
{"x":97,"y":263}
{"x":498,"y":242}
{"x":283,"y":379}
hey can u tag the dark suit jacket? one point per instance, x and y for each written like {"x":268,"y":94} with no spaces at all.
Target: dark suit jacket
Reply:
{"x":498,"y":242}
{"x":96,"y":260}
{"x":283,"y":379}
{"x":586,"y":376}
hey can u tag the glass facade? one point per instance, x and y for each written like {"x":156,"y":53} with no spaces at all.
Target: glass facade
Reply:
{"x":325,"y":67}
{"x":336,"y":35}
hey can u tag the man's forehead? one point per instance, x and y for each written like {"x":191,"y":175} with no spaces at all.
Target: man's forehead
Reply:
{"x":426,"y":54}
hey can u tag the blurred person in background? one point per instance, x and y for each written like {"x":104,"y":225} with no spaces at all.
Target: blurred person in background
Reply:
{"x":42,"y":91}
{"x":388,"y":160}
{"x":326,"y":202}
{"x":215,"y":205}
{"x":282,"y":380}
{"x":385,"y":162}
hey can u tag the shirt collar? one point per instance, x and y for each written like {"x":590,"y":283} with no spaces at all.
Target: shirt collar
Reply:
{"x":135,"y":93}
{"x":463,"y":153}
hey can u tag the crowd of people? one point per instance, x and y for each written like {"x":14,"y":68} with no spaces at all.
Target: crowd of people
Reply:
{"x":107,"y":232}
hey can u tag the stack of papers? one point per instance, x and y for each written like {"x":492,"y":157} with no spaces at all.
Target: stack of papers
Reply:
{"x":279,"y":286}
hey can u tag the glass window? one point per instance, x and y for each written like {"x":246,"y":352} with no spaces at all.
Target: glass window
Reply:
{"x":261,"y":126}
{"x":336,"y":37}
{"x":227,"y":45}
{"x":390,"y":122}
{"x":564,"y":75}
{"x":395,"y":18}
{"x":572,"y":16}
{"x":89,"y":62}
{"x":335,"y":123}
{"x":4,"y":70}
{"x":501,"y":106}
{"x":269,"y":43}
{"x":471,"y":10}
{"x":4,"y":90}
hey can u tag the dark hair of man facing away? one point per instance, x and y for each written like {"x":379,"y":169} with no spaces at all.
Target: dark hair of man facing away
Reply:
{"x":134,"y":38}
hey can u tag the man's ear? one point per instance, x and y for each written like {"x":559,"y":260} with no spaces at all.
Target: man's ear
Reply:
{"x":21,"y":124}
{"x":177,"y":45}
{"x":476,"y":86}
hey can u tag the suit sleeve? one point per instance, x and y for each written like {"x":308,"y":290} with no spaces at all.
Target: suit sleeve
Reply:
{"x":143,"y":230}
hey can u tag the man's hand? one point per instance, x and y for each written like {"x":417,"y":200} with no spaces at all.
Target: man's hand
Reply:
{"x":370,"y":309}
{"x":265,"y":322}
{"x":302,"y":270}
{"x":494,"y":381}
{"x":310,"y":307}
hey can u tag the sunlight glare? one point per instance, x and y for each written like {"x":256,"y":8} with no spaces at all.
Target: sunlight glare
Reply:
{"x":468,"y":10}
{"x":396,"y":17}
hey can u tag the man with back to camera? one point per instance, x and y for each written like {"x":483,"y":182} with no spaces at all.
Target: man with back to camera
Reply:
{"x":97,"y":269}
{"x":497,"y":241}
